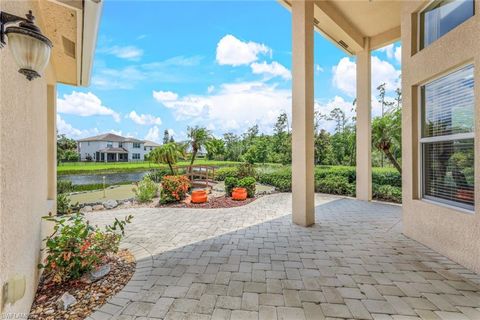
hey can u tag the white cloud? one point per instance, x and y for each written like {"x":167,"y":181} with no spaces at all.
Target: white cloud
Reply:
{"x":144,"y":119}
{"x":234,"y":52}
{"x":84,"y":105}
{"x":326,"y":108}
{"x":234,"y":107}
{"x":165,"y":95}
{"x":271,"y":70}
{"x":127,"y":52}
{"x":153,"y":134}
{"x":344,"y":75}
{"x":319,"y":68}
{"x":389,"y":50}
{"x":398,"y":54}
{"x":210,"y":89}
{"x":66,"y":128}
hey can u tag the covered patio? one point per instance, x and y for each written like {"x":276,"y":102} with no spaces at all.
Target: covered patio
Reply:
{"x":252,"y":262}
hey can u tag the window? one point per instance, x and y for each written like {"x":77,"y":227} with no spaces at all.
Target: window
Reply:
{"x":447,"y":139}
{"x":136,"y":156}
{"x":120,"y":144}
{"x":441,"y":17}
{"x":109,"y":144}
{"x":136,"y":145}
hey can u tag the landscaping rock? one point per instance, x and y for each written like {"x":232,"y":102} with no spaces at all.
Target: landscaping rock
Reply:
{"x":65,"y":301}
{"x":99,"y":273}
{"x":110,"y":204}
{"x":97,"y":207}
{"x":86,"y":209}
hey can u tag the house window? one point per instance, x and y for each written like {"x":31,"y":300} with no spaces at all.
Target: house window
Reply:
{"x":109,"y":144}
{"x":136,"y":145}
{"x":136,"y":156}
{"x":447,"y":139}
{"x":442,"y":16}
{"x":120,"y":144}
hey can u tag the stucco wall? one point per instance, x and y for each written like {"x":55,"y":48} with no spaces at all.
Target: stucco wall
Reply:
{"x":24,"y":167}
{"x":452,"y":232}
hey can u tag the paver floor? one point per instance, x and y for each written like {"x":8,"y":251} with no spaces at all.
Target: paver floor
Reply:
{"x":251,"y":262}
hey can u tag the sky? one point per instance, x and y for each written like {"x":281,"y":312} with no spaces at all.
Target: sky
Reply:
{"x":224,"y":65}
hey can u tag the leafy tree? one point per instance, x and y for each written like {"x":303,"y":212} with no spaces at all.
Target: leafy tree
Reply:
{"x":258,"y":151}
{"x":168,"y":154}
{"x":166,"y":137}
{"x":323,"y":148}
{"x":233,"y":147}
{"x":198,"y":138}
{"x":215,"y":148}
{"x":386,"y":135}
{"x":66,"y":149}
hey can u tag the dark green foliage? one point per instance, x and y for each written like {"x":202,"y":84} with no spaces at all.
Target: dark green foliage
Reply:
{"x":246,"y":170}
{"x":387,"y":193}
{"x":222,"y":173}
{"x":64,"y":186}
{"x":334,"y":184}
{"x":230,"y":183}
{"x":157,"y":174}
{"x":249,"y":184}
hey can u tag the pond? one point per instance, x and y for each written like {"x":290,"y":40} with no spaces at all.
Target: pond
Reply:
{"x":110,"y":178}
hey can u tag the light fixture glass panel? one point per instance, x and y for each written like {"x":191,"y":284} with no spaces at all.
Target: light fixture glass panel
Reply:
{"x":30,"y":53}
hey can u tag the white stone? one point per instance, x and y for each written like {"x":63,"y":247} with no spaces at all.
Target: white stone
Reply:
{"x":110,"y":204}
{"x":65,"y":301}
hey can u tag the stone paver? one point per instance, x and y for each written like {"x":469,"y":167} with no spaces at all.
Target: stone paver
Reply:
{"x":251,"y":262}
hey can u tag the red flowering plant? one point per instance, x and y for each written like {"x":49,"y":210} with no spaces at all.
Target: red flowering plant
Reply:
{"x":76,"y":247}
{"x":174,"y":188}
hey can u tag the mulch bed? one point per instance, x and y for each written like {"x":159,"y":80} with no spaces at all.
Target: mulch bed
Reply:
{"x":89,"y":296}
{"x":213,"y":203}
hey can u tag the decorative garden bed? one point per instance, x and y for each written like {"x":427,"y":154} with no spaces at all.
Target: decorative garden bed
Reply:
{"x":88,"y":295}
{"x":212,"y":203}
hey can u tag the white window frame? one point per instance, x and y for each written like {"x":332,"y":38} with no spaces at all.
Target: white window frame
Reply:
{"x":458,"y":206}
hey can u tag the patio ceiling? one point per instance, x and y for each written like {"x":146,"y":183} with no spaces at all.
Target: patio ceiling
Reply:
{"x":346,"y":23}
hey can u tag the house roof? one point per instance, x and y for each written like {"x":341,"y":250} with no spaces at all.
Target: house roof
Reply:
{"x":149,"y":143}
{"x":113,"y":150}
{"x":110,"y":137}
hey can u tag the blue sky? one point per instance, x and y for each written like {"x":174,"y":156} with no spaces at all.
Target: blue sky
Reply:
{"x":221,"y":64}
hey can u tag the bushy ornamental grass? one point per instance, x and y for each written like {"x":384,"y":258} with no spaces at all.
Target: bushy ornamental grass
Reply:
{"x":145,"y":190}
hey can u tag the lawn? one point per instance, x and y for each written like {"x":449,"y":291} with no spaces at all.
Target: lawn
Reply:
{"x":101,"y":167}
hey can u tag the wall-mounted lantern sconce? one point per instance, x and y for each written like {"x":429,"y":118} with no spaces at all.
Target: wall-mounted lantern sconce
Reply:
{"x":30,"y":48}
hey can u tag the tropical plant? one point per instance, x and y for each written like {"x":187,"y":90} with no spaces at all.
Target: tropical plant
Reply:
{"x":230,"y":183}
{"x":174,"y":188}
{"x":215,"y":148}
{"x":386,"y":133}
{"x":64,"y":204}
{"x":76,"y":247}
{"x":168,"y":153}
{"x":249,"y":184}
{"x":145,"y":190}
{"x":198,"y":138}
{"x":64,"y":186}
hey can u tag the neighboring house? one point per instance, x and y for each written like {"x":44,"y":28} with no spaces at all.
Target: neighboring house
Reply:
{"x":109,"y":147}
{"x":28,"y":117}
{"x":149,"y":146}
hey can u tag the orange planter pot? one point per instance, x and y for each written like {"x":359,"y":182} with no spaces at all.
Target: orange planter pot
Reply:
{"x":199,"y":196}
{"x":239,"y":194}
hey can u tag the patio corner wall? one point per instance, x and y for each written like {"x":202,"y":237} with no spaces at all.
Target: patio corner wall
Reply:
{"x":27,"y":165}
{"x":453,"y":233}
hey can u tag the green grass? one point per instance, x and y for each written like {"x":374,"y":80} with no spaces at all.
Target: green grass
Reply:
{"x":101,"y":167}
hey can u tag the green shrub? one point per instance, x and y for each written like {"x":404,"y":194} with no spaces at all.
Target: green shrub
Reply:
{"x":246,"y":170}
{"x":76,"y":247}
{"x":387,"y":193}
{"x":174,"y":188}
{"x":64,"y":205}
{"x":249,"y":184}
{"x":386,"y":176}
{"x":230,"y":183}
{"x":96,"y":186}
{"x":158,"y":174}
{"x":335,"y":184}
{"x":222,"y":173}
{"x":64,"y":186}
{"x":145,"y":190}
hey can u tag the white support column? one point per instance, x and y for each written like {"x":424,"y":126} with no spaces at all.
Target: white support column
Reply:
{"x":303,"y":192}
{"x":364,"y":123}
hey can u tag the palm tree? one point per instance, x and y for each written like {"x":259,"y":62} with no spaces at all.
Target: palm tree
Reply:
{"x":168,"y":153}
{"x":386,"y":134}
{"x":198,"y":138}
